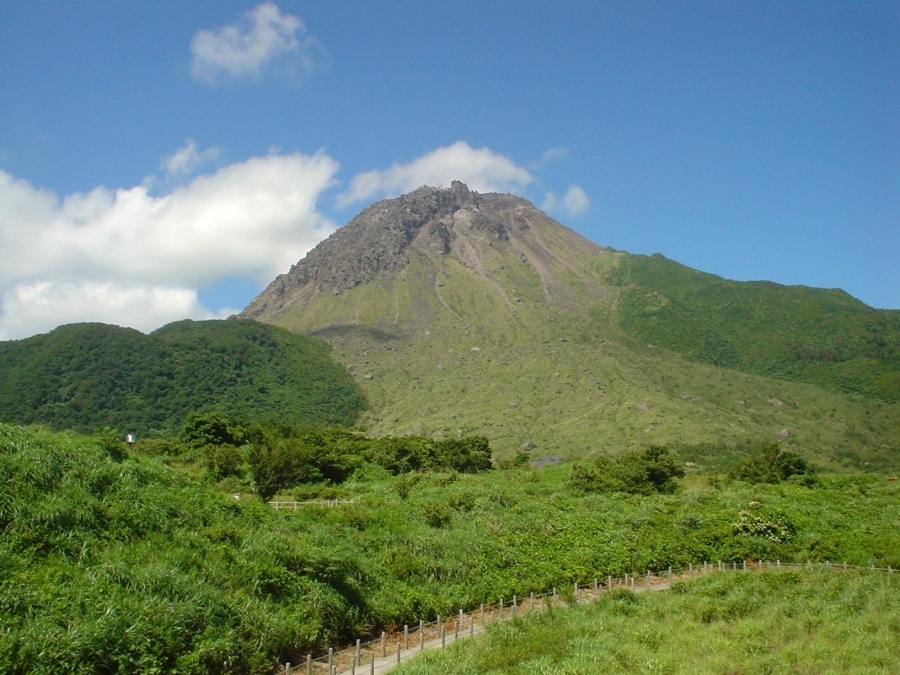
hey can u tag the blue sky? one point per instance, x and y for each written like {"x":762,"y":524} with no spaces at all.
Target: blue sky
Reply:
{"x":166,"y":160}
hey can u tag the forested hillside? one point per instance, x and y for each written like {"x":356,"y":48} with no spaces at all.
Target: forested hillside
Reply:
{"x":90,"y":376}
{"x":824,"y":337}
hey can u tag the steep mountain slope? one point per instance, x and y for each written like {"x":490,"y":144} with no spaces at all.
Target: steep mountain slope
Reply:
{"x":87,"y":376}
{"x":463,"y":313}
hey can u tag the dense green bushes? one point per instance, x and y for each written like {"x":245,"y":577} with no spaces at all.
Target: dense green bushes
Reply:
{"x":113,"y":564}
{"x":274,"y":457}
{"x":640,"y":473}
{"x":772,"y":465}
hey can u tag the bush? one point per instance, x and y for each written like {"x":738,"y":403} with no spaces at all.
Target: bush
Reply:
{"x":772,"y":465}
{"x":647,"y":472}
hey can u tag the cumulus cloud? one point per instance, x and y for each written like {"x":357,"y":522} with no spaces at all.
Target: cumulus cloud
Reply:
{"x":93,"y":256}
{"x":482,"y":170}
{"x":262,"y":37}
{"x":573,"y":203}
{"x":37,"y":307}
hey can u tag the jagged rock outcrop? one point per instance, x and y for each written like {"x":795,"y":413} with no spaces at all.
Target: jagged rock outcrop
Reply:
{"x":434,"y":221}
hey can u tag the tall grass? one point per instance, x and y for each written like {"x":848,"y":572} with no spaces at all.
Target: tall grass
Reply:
{"x":780,"y":622}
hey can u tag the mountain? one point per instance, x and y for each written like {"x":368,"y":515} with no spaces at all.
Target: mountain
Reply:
{"x":462,"y":313}
{"x":88,"y":376}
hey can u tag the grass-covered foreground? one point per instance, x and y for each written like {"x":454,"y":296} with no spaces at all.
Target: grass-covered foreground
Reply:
{"x":775,"y":622}
{"x":115,"y":562}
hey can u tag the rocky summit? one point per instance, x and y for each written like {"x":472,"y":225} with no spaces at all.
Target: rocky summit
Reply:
{"x":425,"y":225}
{"x":462,"y":313}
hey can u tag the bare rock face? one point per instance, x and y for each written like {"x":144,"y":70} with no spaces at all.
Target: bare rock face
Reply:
{"x":379,"y":238}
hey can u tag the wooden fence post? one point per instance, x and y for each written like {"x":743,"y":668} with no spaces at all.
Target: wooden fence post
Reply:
{"x":514,"y":606}
{"x":330,"y":658}
{"x":501,"y":609}
{"x":383,"y":644}
{"x":532,"y":601}
{"x":309,"y":664}
{"x":482,"y":613}
{"x":287,"y":668}
{"x":421,"y":635}
{"x":357,"y":648}
{"x":406,"y":636}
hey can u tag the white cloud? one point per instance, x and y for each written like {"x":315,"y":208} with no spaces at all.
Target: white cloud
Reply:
{"x":262,"y":37}
{"x":482,"y":170}
{"x":551,"y":155}
{"x":43,"y":305}
{"x":574,"y":202}
{"x":110,"y":250}
{"x":187,"y":159}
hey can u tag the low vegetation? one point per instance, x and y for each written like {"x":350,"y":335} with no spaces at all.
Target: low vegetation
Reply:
{"x":778,"y":622}
{"x":116,"y":559}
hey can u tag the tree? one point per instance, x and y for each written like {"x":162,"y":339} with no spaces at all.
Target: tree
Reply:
{"x":211,"y":428}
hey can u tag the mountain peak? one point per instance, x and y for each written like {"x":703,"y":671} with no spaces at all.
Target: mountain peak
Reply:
{"x":435,"y":221}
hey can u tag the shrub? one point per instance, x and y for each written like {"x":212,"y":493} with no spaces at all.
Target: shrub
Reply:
{"x":771,"y":465}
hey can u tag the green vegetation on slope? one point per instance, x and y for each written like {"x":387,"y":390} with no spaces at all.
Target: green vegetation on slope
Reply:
{"x":90,"y":376}
{"x":779,"y":622}
{"x":111,"y":561}
{"x":820,"y":336}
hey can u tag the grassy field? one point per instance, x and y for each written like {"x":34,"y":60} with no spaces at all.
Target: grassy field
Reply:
{"x":775,"y":622}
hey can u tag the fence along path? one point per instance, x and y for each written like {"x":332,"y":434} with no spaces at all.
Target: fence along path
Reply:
{"x":293,"y":506}
{"x":385,"y":653}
